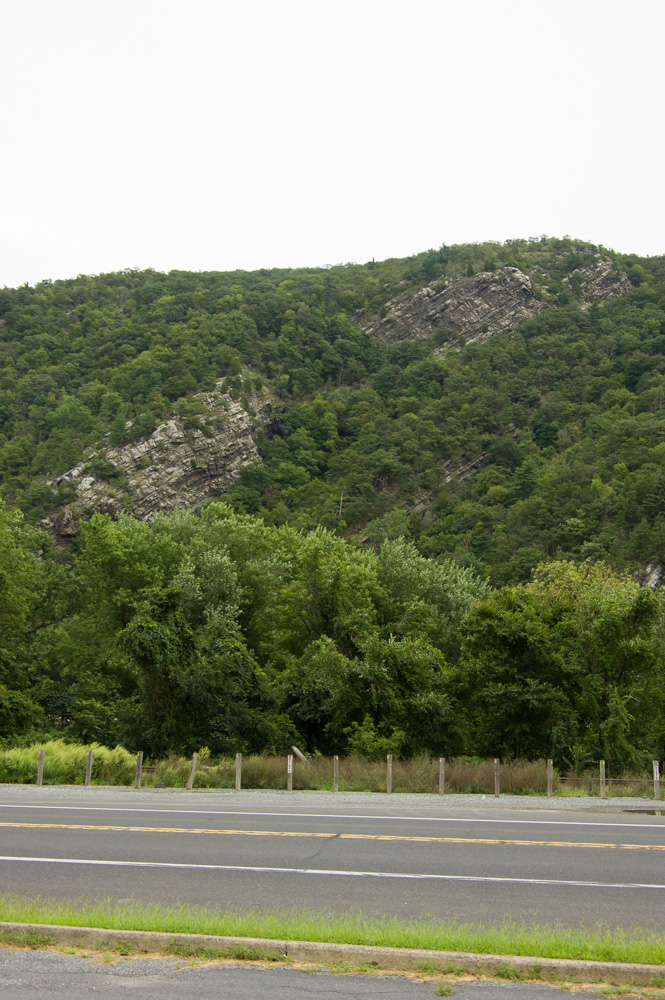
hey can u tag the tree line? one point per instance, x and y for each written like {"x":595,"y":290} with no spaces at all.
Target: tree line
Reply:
{"x":214,"y":629}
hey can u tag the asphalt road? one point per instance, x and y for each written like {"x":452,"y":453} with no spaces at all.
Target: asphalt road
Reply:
{"x":26,"y":975}
{"x":408,"y":856}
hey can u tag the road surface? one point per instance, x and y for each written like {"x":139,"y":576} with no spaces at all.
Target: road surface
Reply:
{"x":406,"y":855}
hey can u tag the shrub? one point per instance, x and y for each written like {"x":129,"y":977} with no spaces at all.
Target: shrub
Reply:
{"x":64,"y":764}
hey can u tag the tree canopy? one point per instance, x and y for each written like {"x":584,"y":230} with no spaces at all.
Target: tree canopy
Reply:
{"x":438,"y":551}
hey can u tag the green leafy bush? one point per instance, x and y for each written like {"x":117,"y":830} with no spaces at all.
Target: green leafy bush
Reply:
{"x":64,"y":764}
{"x":367,"y":743}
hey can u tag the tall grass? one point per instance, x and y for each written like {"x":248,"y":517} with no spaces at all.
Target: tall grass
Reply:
{"x":599,"y":942}
{"x":65,"y":764}
{"x":588,"y":783}
{"x":356,"y":775}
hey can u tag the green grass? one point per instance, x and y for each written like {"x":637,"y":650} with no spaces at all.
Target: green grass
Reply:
{"x":595,"y":943}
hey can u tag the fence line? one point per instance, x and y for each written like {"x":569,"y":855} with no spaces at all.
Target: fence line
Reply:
{"x":459,"y":775}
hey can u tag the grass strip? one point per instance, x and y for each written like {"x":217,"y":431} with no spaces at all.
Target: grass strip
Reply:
{"x":598,"y":942}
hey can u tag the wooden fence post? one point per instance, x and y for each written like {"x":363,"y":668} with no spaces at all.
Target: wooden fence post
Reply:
{"x":88,"y":768}
{"x":238,"y":771}
{"x":190,"y":780}
{"x":550,"y":778}
{"x":139,"y":769}
{"x":335,"y":773}
{"x":289,"y":773}
{"x":603,"y":787}
{"x":442,"y":774}
{"x":497,"y":777}
{"x":40,"y":767}
{"x":389,"y":776}
{"x":656,"y":779}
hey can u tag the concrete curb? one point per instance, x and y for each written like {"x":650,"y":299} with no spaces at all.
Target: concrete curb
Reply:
{"x":451,"y":962}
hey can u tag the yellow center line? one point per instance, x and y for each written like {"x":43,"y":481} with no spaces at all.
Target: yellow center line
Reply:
{"x":166,"y":829}
{"x":330,"y":836}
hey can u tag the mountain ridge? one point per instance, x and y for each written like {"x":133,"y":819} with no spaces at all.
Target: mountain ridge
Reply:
{"x":369,"y":424}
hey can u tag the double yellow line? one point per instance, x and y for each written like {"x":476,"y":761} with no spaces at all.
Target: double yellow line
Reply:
{"x":333,"y":836}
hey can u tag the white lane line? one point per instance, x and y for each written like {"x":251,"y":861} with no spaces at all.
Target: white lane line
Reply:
{"x":346,"y":816}
{"x":325,"y":871}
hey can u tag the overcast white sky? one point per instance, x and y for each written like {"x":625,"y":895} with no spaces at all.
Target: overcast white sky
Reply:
{"x":214,"y":135}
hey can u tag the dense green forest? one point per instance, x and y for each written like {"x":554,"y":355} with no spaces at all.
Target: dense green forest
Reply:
{"x":567,"y":409}
{"x":353,"y":592}
{"x":214,"y":629}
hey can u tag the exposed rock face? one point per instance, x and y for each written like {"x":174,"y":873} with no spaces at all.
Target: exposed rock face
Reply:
{"x":598,"y":283}
{"x":181,"y":464}
{"x":473,"y":308}
{"x":653,"y":575}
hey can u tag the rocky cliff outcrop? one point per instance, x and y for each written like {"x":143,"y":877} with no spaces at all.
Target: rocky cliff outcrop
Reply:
{"x":474,"y":308}
{"x":597,"y":283}
{"x":186,"y":460}
{"x":469,"y":309}
{"x":652,"y":575}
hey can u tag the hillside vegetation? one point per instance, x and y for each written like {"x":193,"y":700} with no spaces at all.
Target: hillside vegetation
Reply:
{"x":370,"y":582}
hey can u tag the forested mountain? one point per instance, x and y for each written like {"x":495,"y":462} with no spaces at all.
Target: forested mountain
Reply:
{"x":392,"y":440}
{"x":561,"y":418}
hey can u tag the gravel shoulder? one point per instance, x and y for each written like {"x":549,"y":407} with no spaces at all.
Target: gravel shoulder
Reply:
{"x":306,"y":800}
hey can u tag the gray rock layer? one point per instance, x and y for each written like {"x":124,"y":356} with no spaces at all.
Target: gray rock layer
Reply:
{"x":598,"y":283}
{"x":473,"y":309}
{"x":182,"y":463}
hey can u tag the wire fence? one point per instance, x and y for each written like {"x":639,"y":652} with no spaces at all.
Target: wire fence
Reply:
{"x":59,"y":763}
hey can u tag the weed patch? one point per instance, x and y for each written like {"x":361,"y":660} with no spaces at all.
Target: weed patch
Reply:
{"x":25,"y":939}
{"x":246,"y":954}
{"x":508,"y":972}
